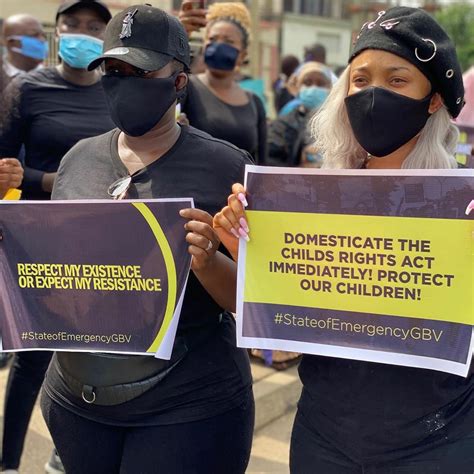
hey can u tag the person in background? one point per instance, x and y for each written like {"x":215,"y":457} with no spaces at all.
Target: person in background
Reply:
{"x":289,"y":139}
{"x":315,"y":52}
{"x":58,"y":106}
{"x":25,"y":43}
{"x":55,"y":108}
{"x":11,"y":171}
{"x":309,"y":84}
{"x":215,"y":102}
{"x":281,"y":94}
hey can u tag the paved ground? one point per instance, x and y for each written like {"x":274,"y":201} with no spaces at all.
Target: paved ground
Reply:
{"x":38,"y":442}
{"x":270,"y":448}
{"x":275,"y":393}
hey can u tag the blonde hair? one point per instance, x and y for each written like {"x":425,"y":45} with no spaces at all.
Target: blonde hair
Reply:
{"x":335,"y":140}
{"x":233,"y":12}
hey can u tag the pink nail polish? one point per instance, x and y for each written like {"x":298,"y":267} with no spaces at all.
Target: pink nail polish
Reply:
{"x":241,"y":197}
{"x":244,"y":234}
{"x":234,"y":233}
{"x":244,"y":225}
{"x":469,"y":207}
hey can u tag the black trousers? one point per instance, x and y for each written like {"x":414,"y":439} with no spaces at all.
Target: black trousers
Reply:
{"x":312,"y":454}
{"x":24,"y":382}
{"x":216,"y":445}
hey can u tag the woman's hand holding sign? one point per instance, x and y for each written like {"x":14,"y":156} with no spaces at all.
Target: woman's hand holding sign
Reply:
{"x":216,"y":272}
{"x":231,"y":223}
{"x":203,"y":241}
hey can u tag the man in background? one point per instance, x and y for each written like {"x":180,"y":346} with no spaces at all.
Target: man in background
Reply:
{"x":25,"y":42}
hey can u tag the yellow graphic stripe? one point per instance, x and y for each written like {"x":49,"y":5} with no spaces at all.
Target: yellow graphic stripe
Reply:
{"x":170,"y":270}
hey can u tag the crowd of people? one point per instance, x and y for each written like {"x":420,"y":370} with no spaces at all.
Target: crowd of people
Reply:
{"x":108,"y":111}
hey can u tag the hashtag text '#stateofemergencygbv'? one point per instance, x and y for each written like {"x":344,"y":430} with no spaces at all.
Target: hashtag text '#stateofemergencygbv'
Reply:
{"x":63,"y":336}
{"x":415,"y":333}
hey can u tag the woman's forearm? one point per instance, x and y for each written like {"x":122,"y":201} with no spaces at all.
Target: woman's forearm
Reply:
{"x":219,"y":278}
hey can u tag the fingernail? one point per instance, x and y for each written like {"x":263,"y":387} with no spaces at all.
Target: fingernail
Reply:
{"x":181,"y":212}
{"x":469,"y":207}
{"x":235,"y":233}
{"x":242,"y":199}
{"x":244,"y":224}
{"x":244,"y":234}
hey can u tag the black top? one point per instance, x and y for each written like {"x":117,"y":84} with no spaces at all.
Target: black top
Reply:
{"x":215,"y":375}
{"x":376,"y":412}
{"x":52,"y":116}
{"x":287,"y":137}
{"x":245,"y":126}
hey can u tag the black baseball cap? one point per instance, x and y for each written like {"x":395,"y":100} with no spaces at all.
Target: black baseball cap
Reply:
{"x":145,"y":37}
{"x":71,"y":5}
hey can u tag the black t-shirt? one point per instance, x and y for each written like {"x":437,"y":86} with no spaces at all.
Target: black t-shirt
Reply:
{"x":215,"y":375}
{"x":51,"y":115}
{"x":244,"y":126}
{"x":376,"y":412}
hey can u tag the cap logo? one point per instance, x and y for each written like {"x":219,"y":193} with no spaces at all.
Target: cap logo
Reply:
{"x":127,"y":24}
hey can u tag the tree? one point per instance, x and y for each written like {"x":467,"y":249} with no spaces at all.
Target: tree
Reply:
{"x":458,"y":21}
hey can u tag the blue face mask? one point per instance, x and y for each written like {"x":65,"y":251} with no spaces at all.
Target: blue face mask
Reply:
{"x":31,"y":47}
{"x":78,"y":51}
{"x":313,"y":97}
{"x":221,"y":56}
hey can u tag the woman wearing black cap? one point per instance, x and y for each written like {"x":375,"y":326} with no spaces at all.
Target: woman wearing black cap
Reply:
{"x":56,"y":107}
{"x":391,"y":108}
{"x":196,"y":412}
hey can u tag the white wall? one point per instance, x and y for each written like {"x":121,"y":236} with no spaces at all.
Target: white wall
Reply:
{"x":300,"y":31}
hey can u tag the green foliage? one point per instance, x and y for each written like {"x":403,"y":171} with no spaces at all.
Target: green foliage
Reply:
{"x":458,"y":22}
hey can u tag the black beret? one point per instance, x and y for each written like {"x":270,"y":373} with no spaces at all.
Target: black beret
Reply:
{"x":414,"y":35}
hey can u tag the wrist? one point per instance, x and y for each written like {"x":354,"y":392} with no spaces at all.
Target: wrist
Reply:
{"x":208,"y":265}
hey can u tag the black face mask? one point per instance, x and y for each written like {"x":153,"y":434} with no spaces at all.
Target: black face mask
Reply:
{"x":383,"y":121}
{"x":137,"y":104}
{"x":221,"y":56}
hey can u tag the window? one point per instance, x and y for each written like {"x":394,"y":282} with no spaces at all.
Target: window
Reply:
{"x":288,"y":6}
{"x":316,"y":7}
{"x":331,"y":41}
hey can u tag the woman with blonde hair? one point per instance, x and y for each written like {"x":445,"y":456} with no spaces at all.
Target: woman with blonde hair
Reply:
{"x":391,"y":109}
{"x":289,"y":138}
{"x":215,"y":102}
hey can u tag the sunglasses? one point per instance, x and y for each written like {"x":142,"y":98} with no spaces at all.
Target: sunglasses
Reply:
{"x":118,"y":189}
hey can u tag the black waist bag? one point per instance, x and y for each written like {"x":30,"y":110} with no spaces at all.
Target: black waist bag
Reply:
{"x":111,"y":379}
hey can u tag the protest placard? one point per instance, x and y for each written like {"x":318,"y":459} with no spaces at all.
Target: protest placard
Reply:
{"x":368,"y":265}
{"x":465,"y":147}
{"x":92,"y":276}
